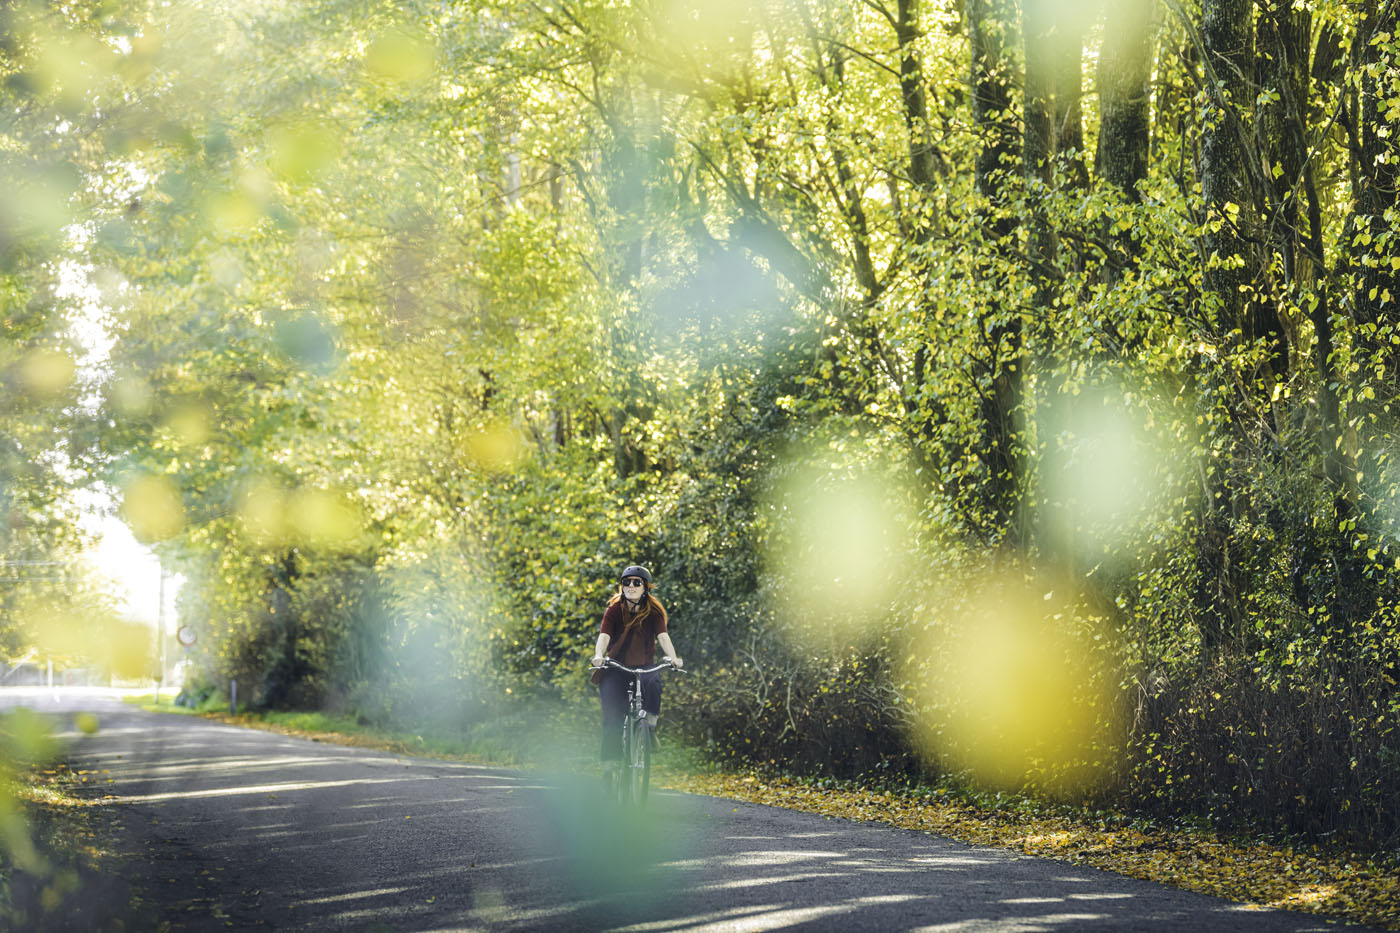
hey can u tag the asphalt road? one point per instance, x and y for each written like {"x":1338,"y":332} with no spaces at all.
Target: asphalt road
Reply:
{"x":240,"y":829}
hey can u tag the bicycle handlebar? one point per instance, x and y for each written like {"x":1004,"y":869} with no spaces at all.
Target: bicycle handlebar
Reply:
{"x":644,"y":670}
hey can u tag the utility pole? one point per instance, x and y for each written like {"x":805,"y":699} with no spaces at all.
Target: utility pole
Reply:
{"x":160,"y":633}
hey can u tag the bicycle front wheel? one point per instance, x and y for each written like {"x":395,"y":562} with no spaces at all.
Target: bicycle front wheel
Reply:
{"x":638,"y":761}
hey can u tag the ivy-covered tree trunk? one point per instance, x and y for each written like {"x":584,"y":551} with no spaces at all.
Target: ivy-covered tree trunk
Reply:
{"x":1124,"y":75}
{"x":1369,"y":245}
{"x":999,"y":374}
{"x":1226,"y":36}
{"x":1295,"y":228}
{"x":923,"y":164}
{"x":919,"y":221}
{"x":1226,"y":32}
{"x":1376,"y":174}
{"x":1038,"y":139}
{"x":1281,"y":75}
{"x":1283,"y":34}
{"x":623,"y":179}
{"x":1067,"y":115}
{"x":1038,"y":30}
{"x":1125,"y":68}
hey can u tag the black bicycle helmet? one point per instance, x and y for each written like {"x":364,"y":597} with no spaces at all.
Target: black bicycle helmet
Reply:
{"x":634,"y":571}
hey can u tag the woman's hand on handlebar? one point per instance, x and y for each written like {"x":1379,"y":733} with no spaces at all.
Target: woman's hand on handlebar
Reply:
{"x":598,"y":661}
{"x":677,"y":663}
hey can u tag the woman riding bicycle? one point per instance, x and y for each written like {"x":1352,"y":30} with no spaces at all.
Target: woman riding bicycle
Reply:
{"x":633,"y":623}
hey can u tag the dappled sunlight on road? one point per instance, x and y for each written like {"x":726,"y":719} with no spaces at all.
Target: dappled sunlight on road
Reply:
{"x":232,"y":771}
{"x":1061,"y":900}
{"x":260,"y":830}
{"x":1036,"y":925}
{"x":257,"y":789}
{"x":352,"y":896}
{"x":770,"y":916}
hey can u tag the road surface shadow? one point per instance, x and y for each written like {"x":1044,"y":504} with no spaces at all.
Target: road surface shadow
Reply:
{"x":233,"y":828}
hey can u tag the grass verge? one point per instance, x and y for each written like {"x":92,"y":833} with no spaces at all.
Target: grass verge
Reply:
{"x":1351,"y":887}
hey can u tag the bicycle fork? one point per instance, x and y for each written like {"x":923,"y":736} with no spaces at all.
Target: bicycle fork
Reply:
{"x":635,"y":724}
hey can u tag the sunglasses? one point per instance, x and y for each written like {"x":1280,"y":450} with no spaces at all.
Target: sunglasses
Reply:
{"x":633,"y":581}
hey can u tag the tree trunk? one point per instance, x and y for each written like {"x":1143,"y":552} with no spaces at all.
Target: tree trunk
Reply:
{"x":1370,"y":233}
{"x":918,"y":218}
{"x":1067,"y":114}
{"x":1038,"y":141}
{"x":1227,"y":62}
{"x":987,"y":21}
{"x":923,"y":164}
{"x":624,"y":177}
{"x":1001,"y":372}
{"x":1038,"y":30}
{"x":1226,"y":36}
{"x":1125,"y":69}
{"x":1284,"y":35}
{"x":1282,"y":75}
{"x":1377,"y":171}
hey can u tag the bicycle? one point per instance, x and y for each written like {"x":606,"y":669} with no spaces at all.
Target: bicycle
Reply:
{"x":633,"y":779}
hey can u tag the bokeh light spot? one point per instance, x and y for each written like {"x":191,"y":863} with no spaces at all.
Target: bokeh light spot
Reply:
{"x":401,"y":56}
{"x":841,"y":548}
{"x":325,"y":518}
{"x":1010,"y":686}
{"x":73,"y":64}
{"x":28,"y":737}
{"x":302,"y":151}
{"x":497,"y":447}
{"x":233,"y":213}
{"x":151,"y":505}
{"x":47,"y":373}
{"x":130,"y":395}
{"x":190,"y":424}
{"x":262,"y":513}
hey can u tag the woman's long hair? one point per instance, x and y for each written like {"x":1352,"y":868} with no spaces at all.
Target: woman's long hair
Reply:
{"x":649,"y":605}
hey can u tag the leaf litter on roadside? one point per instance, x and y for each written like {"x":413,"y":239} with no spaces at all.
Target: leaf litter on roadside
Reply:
{"x":1258,"y":874}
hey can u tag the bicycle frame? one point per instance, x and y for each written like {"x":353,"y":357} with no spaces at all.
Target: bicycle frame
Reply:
{"x":634,"y":777}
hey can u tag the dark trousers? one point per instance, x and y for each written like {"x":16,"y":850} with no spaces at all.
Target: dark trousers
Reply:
{"x":612,"y":691}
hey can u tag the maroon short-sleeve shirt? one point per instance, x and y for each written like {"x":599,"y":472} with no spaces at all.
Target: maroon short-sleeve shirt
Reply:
{"x":637,"y":649}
